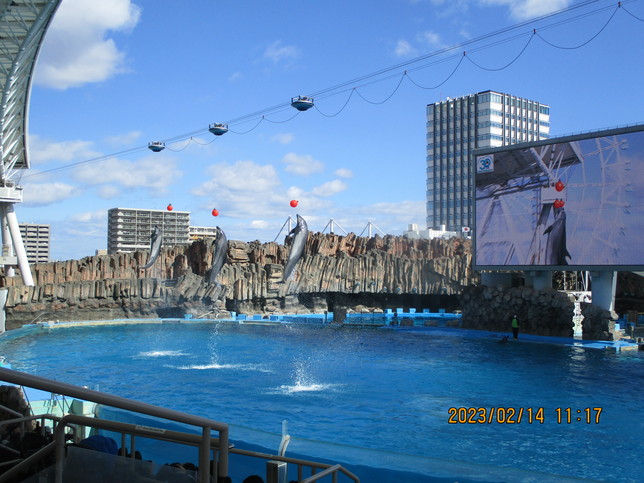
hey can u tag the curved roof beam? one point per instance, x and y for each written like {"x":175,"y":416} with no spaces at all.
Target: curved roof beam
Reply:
{"x":23,"y":24}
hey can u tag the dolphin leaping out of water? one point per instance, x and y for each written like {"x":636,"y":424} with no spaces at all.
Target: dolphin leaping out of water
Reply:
{"x":300,"y":234}
{"x":556,"y":250}
{"x":219,"y":254}
{"x":156,"y":240}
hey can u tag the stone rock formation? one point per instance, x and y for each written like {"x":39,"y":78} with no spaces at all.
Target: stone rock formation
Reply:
{"x":539,"y":312}
{"x":543,"y":312}
{"x":113,"y":286}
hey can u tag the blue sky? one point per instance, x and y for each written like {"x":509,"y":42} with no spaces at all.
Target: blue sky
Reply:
{"x":114,"y":75}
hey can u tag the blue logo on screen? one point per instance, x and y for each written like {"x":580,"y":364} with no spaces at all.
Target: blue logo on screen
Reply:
{"x":485,"y":164}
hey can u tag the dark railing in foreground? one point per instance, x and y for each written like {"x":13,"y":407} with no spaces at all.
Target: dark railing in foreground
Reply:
{"x":205,"y":442}
{"x":206,"y":425}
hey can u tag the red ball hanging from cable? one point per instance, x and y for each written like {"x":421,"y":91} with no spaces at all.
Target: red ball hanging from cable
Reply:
{"x":215,"y":212}
{"x":558,"y":203}
{"x":170,"y":208}
{"x":559,"y":186}
{"x":294,"y":203}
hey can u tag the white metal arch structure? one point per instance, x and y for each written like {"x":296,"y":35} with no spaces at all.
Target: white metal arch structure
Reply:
{"x":23,"y":24}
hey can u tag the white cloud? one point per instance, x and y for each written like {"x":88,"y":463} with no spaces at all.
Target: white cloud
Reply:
{"x":430,"y":39}
{"x":404,"y":210}
{"x":426,"y":40}
{"x":243,"y":177}
{"x":90,"y":216}
{"x":247,"y":190}
{"x":329,"y":188}
{"x":76,"y":49}
{"x":278,"y":52}
{"x":42,"y":151}
{"x":145,"y":173}
{"x":126,"y":139}
{"x":404,"y":49}
{"x":260,"y":224}
{"x":302,"y":165}
{"x":108,"y":192}
{"x":344,"y":173}
{"x":283,"y":138}
{"x":242,"y":189}
{"x":295,"y":193}
{"x":524,"y":9}
{"x":39,"y":194}
{"x":234,"y":77}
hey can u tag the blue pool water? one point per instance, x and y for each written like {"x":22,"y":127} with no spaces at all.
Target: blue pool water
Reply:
{"x":385,"y":390}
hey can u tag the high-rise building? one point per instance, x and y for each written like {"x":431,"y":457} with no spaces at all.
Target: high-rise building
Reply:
{"x":129,"y":229}
{"x":457,"y":126}
{"x":36,"y":240}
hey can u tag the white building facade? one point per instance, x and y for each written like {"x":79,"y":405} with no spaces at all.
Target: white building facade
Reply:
{"x":457,"y":126}
{"x":129,"y":229}
{"x":36,"y":239}
{"x":202,"y":232}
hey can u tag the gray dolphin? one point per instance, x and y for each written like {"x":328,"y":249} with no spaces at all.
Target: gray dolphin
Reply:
{"x":156,"y":240}
{"x":300,"y":234}
{"x":219,"y":255}
{"x":556,"y":251}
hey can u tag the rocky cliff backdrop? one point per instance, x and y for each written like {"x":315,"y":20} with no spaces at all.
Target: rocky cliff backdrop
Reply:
{"x":336,"y":271}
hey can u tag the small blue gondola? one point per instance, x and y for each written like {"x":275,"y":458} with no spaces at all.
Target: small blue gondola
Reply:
{"x":218,"y":129}
{"x":302,"y":103}
{"x":156,"y":146}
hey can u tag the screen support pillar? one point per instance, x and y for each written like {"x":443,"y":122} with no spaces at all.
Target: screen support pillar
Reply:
{"x":603,"y":286}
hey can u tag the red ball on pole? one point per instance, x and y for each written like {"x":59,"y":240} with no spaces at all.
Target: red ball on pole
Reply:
{"x":215,"y":212}
{"x":170,"y":207}
{"x":294,"y":203}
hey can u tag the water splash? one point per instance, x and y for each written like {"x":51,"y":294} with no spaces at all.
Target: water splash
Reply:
{"x":213,"y":348}
{"x":216,"y":366}
{"x":285,"y":389}
{"x":303,"y":381}
{"x":161,"y":354}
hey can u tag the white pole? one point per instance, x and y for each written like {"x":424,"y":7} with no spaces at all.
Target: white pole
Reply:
{"x":3,"y":301}
{"x":6,"y":242}
{"x":19,"y":247}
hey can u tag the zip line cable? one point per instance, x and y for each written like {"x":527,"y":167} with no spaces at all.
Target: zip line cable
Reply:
{"x":341,"y":109}
{"x":251,"y":129}
{"x":460,"y":61}
{"x":285,"y":120}
{"x":506,"y":65}
{"x":457,"y":46}
{"x":587,"y":41}
{"x":632,"y":14}
{"x":387,"y":98}
{"x":376,"y":77}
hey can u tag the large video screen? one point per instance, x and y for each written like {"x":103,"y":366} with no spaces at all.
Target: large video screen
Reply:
{"x":573,"y":203}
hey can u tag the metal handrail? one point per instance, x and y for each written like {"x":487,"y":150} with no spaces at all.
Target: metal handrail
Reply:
{"x":191,"y":439}
{"x":205,"y":441}
{"x":314,"y":465}
{"x":23,"y":379}
{"x":12,"y":473}
{"x":331,"y":470}
{"x":125,"y":428}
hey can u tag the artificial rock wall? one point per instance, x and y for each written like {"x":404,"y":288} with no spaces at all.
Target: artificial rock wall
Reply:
{"x":112,"y":286}
{"x":540,"y":312}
